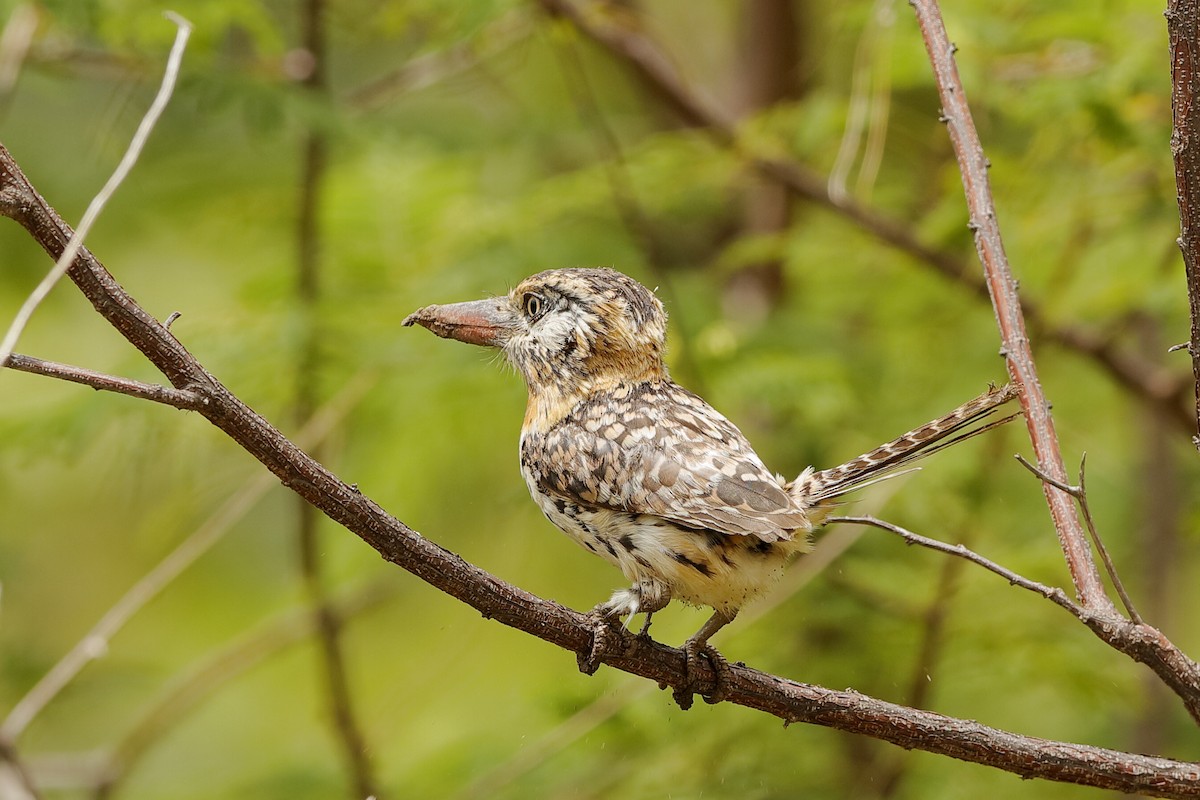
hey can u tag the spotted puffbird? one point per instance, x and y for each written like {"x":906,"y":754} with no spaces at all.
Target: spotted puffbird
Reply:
{"x":644,"y":473}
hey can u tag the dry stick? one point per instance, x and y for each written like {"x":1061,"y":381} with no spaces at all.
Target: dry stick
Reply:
{"x":178,"y":398}
{"x":332,"y":663}
{"x":95,"y":642}
{"x":1183,"y":29}
{"x":1079,"y":492}
{"x":188,"y":691}
{"x":1052,"y":593}
{"x":9,"y":343}
{"x":626,"y":42}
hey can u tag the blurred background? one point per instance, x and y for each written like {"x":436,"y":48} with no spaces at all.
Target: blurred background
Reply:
{"x":323,"y":171}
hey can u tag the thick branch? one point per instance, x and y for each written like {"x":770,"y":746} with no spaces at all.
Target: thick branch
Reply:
{"x":512,"y":606}
{"x":1183,"y":28}
{"x":618,"y":33}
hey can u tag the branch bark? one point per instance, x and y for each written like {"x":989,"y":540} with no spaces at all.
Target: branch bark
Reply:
{"x":396,"y":542}
{"x":1183,"y":29}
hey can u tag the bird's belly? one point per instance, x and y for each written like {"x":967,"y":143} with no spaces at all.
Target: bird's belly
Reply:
{"x":699,"y":567}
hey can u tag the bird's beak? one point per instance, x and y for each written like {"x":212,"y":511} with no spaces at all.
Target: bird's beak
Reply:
{"x":482,"y":322}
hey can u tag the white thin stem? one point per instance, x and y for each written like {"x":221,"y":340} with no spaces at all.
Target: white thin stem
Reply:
{"x":136,"y":145}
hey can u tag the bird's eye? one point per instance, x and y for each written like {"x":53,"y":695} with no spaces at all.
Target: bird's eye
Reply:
{"x":533,"y":305}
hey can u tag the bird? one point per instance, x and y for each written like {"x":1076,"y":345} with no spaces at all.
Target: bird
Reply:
{"x":644,"y":473}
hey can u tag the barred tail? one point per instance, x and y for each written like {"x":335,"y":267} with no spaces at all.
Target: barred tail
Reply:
{"x":817,"y":487}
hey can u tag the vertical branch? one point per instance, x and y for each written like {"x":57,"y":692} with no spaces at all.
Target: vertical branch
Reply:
{"x":326,"y":621}
{"x":1183,"y":28}
{"x":1002,"y":288}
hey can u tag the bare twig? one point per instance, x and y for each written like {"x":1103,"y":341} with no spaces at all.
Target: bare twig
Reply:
{"x":16,"y":782}
{"x":14,"y":45}
{"x":1183,"y":28}
{"x":9,"y":343}
{"x":1079,"y":492}
{"x":1054,"y":594}
{"x":94,"y":643}
{"x":179,"y":398}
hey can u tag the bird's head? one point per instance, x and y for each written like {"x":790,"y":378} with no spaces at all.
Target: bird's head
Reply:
{"x":567,"y":331}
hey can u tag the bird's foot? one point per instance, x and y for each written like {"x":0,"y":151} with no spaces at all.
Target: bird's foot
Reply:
{"x":605,"y":632}
{"x":686,"y":691}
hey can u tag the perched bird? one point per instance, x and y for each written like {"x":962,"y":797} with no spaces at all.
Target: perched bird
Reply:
{"x":644,"y":473}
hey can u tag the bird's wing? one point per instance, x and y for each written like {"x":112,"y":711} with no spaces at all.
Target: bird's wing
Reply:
{"x":669,"y":454}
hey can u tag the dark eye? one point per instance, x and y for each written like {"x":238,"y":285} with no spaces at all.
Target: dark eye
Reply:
{"x":533,"y":305}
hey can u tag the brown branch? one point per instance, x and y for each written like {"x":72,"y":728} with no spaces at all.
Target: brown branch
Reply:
{"x":618,"y":33}
{"x":1054,"y":594}
{"x":1183,"y":28}
{"x":571,"y":630}
{"x":178,"y":398}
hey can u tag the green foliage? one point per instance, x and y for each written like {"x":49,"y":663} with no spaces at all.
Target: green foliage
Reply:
{"x":488,"y":171}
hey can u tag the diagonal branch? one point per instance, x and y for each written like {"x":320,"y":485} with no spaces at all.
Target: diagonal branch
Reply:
{"x":616,"y":30}
{"x":396,"y":542}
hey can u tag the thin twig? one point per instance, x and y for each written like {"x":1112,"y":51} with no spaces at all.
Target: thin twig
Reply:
{"x":94,"y":643}
{"x":16,"y":781}
{"x":1058,"y":596}
{"x":1069,"y":488}
{"x":1079,"y":492}
{"x":178,"y":398}
{"x":1105,"y":558}
{"x":9,"y":343}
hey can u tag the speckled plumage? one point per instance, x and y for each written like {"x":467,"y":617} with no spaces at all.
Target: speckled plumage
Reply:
{"x":637,"y":469}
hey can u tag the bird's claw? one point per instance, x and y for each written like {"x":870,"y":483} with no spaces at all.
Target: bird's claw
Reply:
{"x":603,"y":637}
{"x":686,"y":691}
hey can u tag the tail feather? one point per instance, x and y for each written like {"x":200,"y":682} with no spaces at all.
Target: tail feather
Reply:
{"x":821,"y":486}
